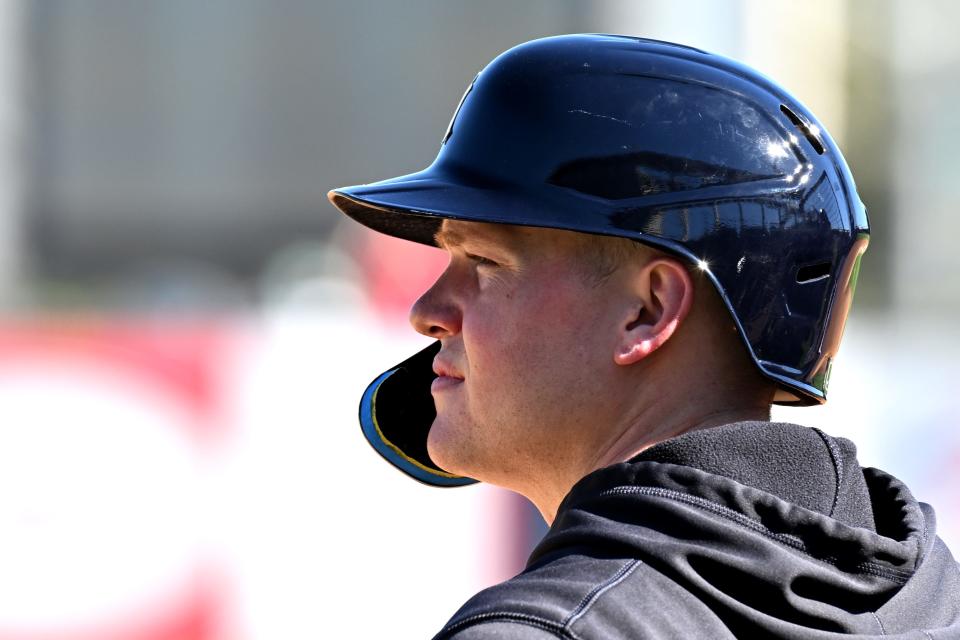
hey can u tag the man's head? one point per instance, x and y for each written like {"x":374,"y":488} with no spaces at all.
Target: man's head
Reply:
{"x":734,"y":239}
{"x":556,"y":345}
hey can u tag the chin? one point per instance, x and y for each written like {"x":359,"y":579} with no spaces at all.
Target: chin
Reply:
{"x":438,"y":448}
{"x":447,"y":450}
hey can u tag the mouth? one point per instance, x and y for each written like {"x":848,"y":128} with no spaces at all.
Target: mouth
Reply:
{"x":444,"y":370}
{"x":447,"y":377}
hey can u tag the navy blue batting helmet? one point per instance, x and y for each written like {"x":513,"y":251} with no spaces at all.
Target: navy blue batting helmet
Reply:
{"x":682,"y":150}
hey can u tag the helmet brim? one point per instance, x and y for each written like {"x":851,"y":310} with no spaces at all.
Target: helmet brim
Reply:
{"x":413,"y":207}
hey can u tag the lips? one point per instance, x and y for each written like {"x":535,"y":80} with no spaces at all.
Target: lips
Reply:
{"x":444,"y":370}
{"x":447,"y":377}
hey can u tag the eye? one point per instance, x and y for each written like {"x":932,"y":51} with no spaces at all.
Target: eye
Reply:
{"x":480,"y":260}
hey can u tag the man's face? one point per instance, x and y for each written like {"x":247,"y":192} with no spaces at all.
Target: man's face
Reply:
{"x":527,"y":342}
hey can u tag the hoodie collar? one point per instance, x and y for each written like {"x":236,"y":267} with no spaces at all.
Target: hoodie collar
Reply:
{"x":785,"y":479}
{"x":799,"y":465}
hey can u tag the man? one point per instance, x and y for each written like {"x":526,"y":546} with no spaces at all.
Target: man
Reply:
{"x":648,"y":246}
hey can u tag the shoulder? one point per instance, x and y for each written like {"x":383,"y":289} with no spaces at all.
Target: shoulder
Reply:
{"x":503,"y":629}
{"x":541,"y":602}
{"x":578,"y":597}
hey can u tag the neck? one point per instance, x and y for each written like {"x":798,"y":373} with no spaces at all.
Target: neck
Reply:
{"x":650,"y":425}
{"x":640,"y":435}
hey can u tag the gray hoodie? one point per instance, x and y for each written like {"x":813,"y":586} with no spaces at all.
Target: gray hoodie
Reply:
{"x":750,"y":530}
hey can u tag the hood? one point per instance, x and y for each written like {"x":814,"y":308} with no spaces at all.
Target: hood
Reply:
{"x":776,"y":528}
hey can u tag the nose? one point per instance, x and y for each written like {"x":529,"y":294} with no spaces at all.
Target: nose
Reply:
{"x":436,"y":313}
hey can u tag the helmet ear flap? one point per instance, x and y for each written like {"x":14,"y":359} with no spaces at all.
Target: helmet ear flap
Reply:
{"x":396,"y":413}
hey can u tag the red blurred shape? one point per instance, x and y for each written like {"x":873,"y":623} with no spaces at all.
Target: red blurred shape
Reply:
{"x":196,"y":615}
{"x":183,"y":358}
{"x":398,"y":272}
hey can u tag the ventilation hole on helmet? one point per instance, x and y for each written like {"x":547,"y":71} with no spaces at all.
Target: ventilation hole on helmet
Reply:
{"x":813,"y":272}
{"x":446,"y":136}
{"x":804,"y":128}
{"x":790,"y":114}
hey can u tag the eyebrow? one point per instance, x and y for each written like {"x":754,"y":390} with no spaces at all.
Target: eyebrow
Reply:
{"x":448,"y":238}
{"x":445,"y":238}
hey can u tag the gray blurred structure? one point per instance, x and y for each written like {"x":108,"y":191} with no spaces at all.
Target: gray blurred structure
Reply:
{"x":11,"y":152}
{"x":207,"y":134}
{"x":921,"y":148}
{"x":212,"y":131}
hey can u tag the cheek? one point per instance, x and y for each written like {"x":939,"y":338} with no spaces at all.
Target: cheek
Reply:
{"x":526,"y":333}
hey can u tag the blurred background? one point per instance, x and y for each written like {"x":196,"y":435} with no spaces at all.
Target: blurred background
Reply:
{"x":187,"y":325}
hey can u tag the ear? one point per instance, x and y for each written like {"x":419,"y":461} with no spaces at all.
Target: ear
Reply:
{"x":662,"y":297}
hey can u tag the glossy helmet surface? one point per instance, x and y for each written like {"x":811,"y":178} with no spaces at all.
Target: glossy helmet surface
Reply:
{"x":686,"y":151}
